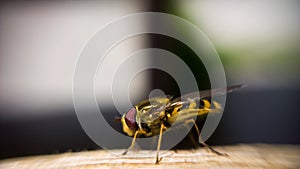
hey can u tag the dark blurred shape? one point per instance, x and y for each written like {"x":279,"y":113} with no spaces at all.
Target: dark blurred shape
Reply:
{"x":260,"y":116}
{"x":249,"y":117}
{"x":56,"y":132}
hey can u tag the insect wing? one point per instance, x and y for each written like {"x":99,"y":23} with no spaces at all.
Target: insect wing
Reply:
{"x":204,"y":94}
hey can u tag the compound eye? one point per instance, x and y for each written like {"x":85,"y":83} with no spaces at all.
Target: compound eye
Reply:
{"x":130,"y":118}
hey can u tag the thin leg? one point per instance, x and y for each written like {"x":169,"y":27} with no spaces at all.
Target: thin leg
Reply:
{"x":193,"y":121}
{"x":162,"y":127}
{"x":201,"y":141}
{"x":211,"y":149}
{"x":133,"y":141}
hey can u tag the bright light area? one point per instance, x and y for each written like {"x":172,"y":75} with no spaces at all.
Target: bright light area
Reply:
{"x":39,"y":45}
{"x":258,"y":41}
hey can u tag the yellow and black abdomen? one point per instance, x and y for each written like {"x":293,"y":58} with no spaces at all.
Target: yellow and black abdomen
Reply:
{"x":190,"y":109}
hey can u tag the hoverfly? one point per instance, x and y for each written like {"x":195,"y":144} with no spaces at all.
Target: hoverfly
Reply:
{"x":154,"y":116}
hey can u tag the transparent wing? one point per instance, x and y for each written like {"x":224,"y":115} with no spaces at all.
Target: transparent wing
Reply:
{"x":204,"y":94}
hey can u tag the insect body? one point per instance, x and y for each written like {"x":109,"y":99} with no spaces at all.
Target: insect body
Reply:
{"x":154,"y":116}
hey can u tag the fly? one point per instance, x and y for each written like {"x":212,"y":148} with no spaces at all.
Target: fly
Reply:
{"x":154,"y":116}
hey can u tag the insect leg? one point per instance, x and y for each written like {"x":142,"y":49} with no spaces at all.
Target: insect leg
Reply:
{"x":201,"y":141}
{"x":162,"y":127}
{"x":133,"y":141}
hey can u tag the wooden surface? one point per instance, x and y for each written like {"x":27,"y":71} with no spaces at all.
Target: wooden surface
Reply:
{"x":239,"y":156}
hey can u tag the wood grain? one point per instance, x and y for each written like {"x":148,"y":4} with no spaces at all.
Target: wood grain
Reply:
{"x":239,"y":156}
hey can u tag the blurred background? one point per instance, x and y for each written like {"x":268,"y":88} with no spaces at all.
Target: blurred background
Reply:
{"x":258,"y":43}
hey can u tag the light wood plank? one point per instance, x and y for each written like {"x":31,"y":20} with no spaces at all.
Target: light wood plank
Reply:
{"x":240,"y":156}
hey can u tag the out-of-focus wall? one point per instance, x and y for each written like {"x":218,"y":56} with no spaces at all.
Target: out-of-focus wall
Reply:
{"x":39,"y":46}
